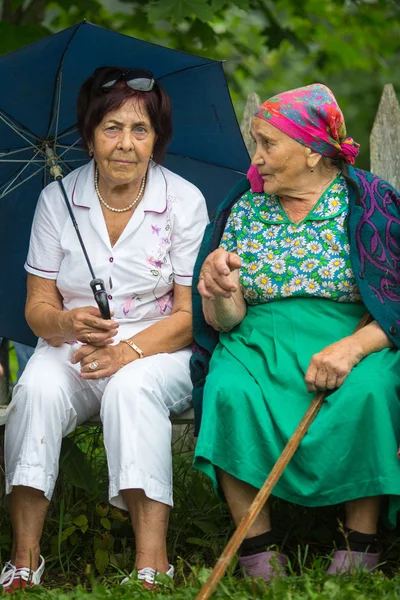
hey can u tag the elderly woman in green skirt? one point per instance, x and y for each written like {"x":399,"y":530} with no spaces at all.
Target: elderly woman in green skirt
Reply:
{"x":304,"y":254}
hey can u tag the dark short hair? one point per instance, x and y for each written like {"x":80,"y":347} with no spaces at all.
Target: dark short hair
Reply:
{"x":93,"y":104}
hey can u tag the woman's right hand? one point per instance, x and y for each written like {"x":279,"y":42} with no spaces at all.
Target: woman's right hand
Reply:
{"x":219,"y":275}
{"x":86,"y":325}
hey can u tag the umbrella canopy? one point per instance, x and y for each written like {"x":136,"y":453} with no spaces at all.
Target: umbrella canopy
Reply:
{"x":39,"y":88}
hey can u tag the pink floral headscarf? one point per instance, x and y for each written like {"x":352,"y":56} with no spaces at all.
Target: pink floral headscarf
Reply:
{"x":311,"y":116}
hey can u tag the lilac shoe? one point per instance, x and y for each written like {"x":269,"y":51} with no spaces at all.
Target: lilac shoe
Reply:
{"x":348,"y":561}
{"x":264,"y":564}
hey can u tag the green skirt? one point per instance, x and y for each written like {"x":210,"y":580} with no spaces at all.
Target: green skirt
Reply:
{"x":255,"y":397}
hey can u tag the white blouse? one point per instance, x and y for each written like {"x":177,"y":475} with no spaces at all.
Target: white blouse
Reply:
{"x":158,"y":246}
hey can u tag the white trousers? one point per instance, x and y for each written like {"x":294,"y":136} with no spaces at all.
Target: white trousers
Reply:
{"x":51,"y":400}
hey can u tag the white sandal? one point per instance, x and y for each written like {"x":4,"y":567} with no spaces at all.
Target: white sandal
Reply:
{"x":149,"y":576}
{"x":13,"y":578}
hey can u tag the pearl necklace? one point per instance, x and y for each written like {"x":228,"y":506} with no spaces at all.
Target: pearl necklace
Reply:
{"x":118,"y":210}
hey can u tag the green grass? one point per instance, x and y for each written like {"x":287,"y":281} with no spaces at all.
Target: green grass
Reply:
{"x":13,"y":363}
{"x":89,"y":545}
{"x":309,"y":585}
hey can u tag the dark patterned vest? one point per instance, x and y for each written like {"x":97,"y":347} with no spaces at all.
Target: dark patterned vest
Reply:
{"x":374,"y":233}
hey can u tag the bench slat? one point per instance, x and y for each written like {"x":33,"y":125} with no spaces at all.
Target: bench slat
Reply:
{"x":186,"y":418}
{"x":3,"y":409}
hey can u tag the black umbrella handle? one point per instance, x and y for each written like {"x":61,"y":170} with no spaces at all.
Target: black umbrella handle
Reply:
{"x":100,"y":295}
{"x":97,"y":285}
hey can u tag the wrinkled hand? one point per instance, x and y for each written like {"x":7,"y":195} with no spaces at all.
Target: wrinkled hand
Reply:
{"x":218,"y":275}
{"x":86,"y":325}
{"x":108,"y":358}
{"x":329,"y":368}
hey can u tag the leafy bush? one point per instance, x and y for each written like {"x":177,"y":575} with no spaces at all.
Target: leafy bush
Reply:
{"x":86,"y":540}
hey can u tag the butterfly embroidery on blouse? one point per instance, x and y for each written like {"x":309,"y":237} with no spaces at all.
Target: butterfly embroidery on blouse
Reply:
{"x":165,"y":303}
{"x":128,"y":305}
{"x":156,"y":263}
{"x":156,"y":229}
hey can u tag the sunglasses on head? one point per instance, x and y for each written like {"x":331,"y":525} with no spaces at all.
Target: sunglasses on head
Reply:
{"x":137,"y":79}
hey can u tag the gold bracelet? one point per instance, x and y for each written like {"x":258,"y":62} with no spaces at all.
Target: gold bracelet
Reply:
{"x":134,"y":347}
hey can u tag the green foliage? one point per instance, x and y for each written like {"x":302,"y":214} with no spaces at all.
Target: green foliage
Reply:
{"x":353,"y":46}
{"x":90,"y":544}
{"x":13,"y":364}
{"x":180,"y":9}
{"x":312,"y":584}
{"x":12,"y":37}
{"x":76,"y":467}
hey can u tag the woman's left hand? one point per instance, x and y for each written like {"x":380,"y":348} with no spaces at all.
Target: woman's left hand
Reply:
{"x":329,"y":368}
{"x":107,"y":360}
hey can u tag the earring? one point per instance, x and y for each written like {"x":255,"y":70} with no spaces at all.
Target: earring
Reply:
{"x":312,"y":170}
{"x":151,"y":156}
{"x":90,"y":153}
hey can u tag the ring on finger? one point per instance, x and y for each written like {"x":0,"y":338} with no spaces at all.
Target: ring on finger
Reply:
{"x":88,"y":338}
{"x":94,"y":366}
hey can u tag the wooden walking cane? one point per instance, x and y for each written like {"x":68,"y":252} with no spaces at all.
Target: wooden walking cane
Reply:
{"x":264,"y":493}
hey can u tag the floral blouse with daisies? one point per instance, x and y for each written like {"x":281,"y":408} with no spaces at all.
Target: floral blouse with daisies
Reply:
{"x":282,"y":259}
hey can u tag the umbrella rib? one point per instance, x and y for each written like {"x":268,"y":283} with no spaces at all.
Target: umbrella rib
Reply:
{"x":17,"y":131}
{"x":74,"y":160}
{"x":79,"y":149}
{"x":21,"y":160}
{"x":217,"y":62}
{"x":8,"y":119}
{"x":5,"y":192}
{"x":65,"y":164}
{"x":8,"y":191}
{"x":51,"y":120}
{"x":15,"y":151}
{"x":68,"y":148}
{"x":57,"y":114}
{"x":68,"y":132}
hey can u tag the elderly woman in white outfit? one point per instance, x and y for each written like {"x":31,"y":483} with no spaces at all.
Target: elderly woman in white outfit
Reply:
{"x":142,"y":225}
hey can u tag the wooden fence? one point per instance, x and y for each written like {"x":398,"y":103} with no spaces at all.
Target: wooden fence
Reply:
{"x":385,"y":138}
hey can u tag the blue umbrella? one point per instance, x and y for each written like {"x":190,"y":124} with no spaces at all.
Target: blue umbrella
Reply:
{"x":39,"y":87}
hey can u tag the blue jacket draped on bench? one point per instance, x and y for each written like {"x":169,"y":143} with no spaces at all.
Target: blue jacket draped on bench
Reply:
{"x":374,"y":232}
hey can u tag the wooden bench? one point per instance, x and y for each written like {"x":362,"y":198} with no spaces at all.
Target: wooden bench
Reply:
{"x":186,"y":418}
{"x":2,"y":414}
